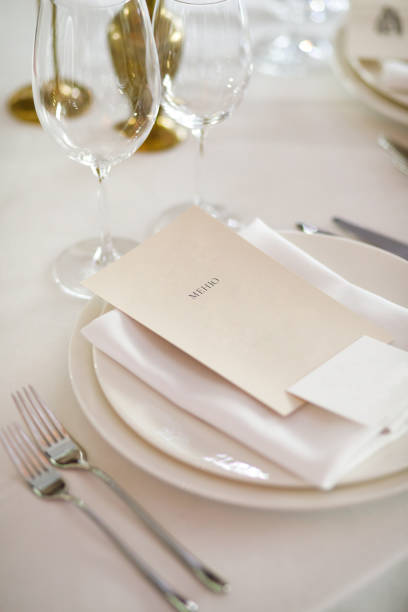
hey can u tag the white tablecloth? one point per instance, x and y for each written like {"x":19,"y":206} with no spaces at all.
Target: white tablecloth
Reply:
{"x":295,"y":150}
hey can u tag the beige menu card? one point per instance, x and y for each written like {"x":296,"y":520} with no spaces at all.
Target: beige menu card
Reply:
{"x":221,"y":300}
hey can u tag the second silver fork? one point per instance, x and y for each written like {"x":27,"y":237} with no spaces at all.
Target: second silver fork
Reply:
{"x":64,"y":452}
{"x":46,"y":483}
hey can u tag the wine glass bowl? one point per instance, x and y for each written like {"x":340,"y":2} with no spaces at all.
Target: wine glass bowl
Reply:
{"x":213,"y":68}
{"x":72,"y":46}
{"x":65,"y":98}
{"x":91,"y":138}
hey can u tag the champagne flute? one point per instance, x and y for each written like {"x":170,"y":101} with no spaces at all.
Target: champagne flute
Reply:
{"x":72,"y":46}
{"x":212,"y":73}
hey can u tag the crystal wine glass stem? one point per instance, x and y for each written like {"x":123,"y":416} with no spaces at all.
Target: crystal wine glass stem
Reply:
{"x":200,"y":135}
{"x":105,"y":253}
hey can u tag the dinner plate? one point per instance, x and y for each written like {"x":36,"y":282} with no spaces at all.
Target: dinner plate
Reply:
{"x":376,"y":98}
{"x":181,"y":435}
{"x":176,"y":432}
{"x":237,"y":491}
{"x":372,"y":71}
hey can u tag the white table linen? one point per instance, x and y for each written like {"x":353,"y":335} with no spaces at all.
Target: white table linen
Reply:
{"x":294,"y":150}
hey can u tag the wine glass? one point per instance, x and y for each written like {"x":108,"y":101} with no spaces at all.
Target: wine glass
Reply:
{"x":72,"y":48}
{"x":213,"y":69}
{"x":297,"y":35}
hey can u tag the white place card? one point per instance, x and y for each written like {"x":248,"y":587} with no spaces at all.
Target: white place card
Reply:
{"x":377,"y":30}
{"x":367,"y":382}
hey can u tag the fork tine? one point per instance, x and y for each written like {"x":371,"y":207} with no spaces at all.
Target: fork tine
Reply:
{"x":35,"y":408}
{"x":14,"y":451}
{"x":38,"y":429}
{"x":47,"y":412}
{"x":34,"y":425}
{"x":22,"y":447}
{"x":34,"y":456}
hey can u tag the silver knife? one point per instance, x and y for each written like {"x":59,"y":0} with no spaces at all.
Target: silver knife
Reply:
{"x":374,"y":238}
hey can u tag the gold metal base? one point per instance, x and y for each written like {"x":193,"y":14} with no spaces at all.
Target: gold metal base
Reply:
{"x":72,"y":97}
{"x":21,"y":105}
{"x":165,"y":134}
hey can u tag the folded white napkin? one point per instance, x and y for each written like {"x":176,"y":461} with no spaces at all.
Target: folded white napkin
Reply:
{"x":316,"y":445}
{"x":390,"y":316}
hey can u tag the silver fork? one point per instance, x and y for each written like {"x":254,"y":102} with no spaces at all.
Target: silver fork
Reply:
{"x":397,"y":151}
{"x":45,"y":482}
{"x":64,"y":452}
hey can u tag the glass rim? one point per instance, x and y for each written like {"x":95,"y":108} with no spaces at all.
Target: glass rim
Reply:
{"x":92,"y":4}
{"x":199,"y":2}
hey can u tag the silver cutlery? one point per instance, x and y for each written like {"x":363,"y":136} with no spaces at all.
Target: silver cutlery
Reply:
{"x":45,"y":482}
{"x":64,"y":452}
{"x":366,"y":235}
{"x":397,"y":151}
{"x":309,"y":228}
{"x":375,"y":238}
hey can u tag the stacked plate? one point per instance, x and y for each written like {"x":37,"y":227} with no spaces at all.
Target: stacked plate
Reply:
{"x":161,"y":438}
{"x":382,"y":85}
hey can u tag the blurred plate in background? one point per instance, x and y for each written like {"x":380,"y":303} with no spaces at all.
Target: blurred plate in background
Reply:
{"x":365,"y":80}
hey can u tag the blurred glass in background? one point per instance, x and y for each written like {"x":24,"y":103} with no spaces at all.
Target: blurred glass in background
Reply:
{"x":292,"y":37}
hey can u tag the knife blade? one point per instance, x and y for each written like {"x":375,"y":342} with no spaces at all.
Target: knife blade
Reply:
{"x":376,"y":239}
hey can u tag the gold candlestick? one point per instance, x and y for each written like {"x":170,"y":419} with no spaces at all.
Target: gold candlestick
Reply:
{"x":75,"y":98}
{"x":70,"y":98}
{"x":165,"y":133}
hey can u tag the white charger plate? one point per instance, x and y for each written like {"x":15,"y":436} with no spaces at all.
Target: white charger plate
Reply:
{"x":353,"y":81}
{"x":384,"y":474}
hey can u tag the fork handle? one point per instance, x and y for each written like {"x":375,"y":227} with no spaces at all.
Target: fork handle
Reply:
{"x":205,"y":575}
{"x":176,"y":600}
